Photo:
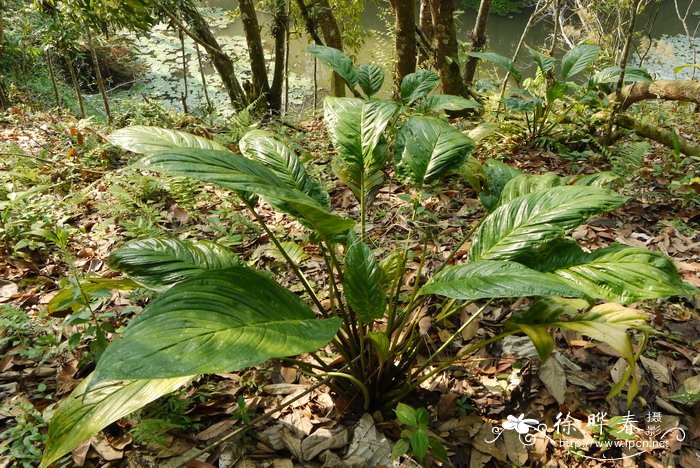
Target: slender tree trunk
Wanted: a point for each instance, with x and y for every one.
(280, 28)
(52, 75)
(333, 38)
(98, 73)
(309, 22)
(204, 78)
(446, 48)
(260, 86)
(202, 34)
(478, 37)
(4, 100)
(617, 105)
(76, 85)
(405, 21)
(425, 27)
(186, 92)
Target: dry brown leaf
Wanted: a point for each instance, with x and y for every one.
(368, 444)
(658, 372)
(553, 377)
(322, 440)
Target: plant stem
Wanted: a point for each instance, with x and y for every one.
(398, 395)
(288, 259)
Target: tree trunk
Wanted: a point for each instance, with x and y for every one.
(260, 86)
(280, 27)
(405, 21)
(669, 90)
(663, 136)
(76, 85)
(446, 48)
(4, 100)
(222, 62)
(331, 34)
(98, 74)
(52, 75)
(309, 22)
(478, 37)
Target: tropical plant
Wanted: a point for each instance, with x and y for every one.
(215, 314)
(547, 99)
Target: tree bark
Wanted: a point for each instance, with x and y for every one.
(4, 100)
(98, 73)
(201, 33)
(663, 136)
(405, 22)
(333, 38)
(280, 27)
(446, 48)
(669, 90)
(478, 38)
(260, 86)
(309, 22)
(76, 85)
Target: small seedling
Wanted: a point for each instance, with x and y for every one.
(416, 439)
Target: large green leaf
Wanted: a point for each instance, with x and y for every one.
(417, 85)
(491, 279)
(371, 78)
(527, 183)
(337, 60)
(497, 176)
(611, 75)
(606, 322)
(578, 59)
(617, 273)
(148, 140)
(158, 264)
(217, 321)
(446, 102)
(263, 147)
(235, 172)
(427, 148)
(544, 62)
(85, 412)
(363, 279)
(538, 217)
(604, 179)
(356, 128)
(500, 60)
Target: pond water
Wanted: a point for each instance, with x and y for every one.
(161, 51)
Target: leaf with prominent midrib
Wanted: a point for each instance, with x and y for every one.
(217, 321)
(539, 217)
(492, 279)
(235, 172)
(84, 413)
(356, 129)
(429, 148)
(417, 85)
(371, 78)
(148, 140)
(527, 183)
(606, 322)
(337, 60)
(616, 273)
(363, 279)
(263, 147)
(158, 264)
(578, 59)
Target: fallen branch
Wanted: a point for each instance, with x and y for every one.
(661, 135)
(669, 90)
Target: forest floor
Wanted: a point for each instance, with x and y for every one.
(58, 172)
